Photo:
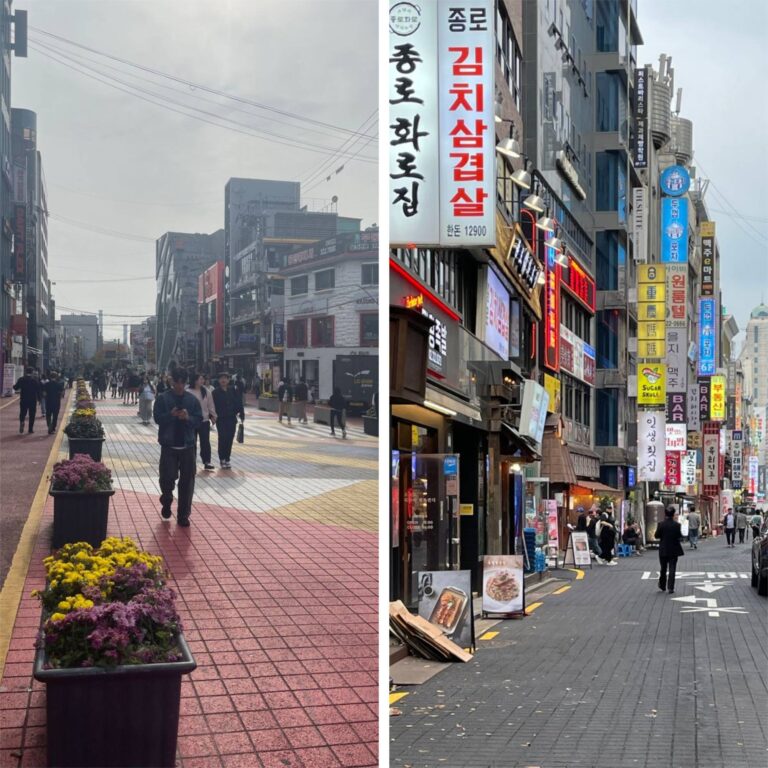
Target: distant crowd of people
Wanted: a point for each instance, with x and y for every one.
(45, 390)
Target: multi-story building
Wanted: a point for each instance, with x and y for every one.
(179, 259)
(754, 356)
(31, 234)
(82, 327)
(210, 301)
(12, 319)
(331, 302)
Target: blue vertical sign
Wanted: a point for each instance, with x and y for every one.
(707, 336)
(674, 230)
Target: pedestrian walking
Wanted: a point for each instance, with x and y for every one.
(229, 406)
(581, 521)
(670, 534)
(146, 399)
(53, 390)
(205, 398)
(741, 524)
(592, 535)
(606, 537)
(113, 385)
(177, 414)
(301, 394)
(30, 395)
(729, 524)
(284, 398)
(755, 521)
(694, 526)
(338, 405)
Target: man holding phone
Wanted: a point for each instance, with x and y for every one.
(178, 415)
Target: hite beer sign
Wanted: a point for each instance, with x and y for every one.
(442, 174)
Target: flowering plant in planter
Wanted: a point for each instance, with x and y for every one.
(107, 606)
(84, 413)
(81, 473)
(87, 427)
(85, 403)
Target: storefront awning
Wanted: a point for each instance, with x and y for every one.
(527, 446)
(591, 486)
(556, 462)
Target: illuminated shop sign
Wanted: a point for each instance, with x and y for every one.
(580, 284)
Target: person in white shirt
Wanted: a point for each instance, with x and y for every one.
(729, 523)
(205, 397)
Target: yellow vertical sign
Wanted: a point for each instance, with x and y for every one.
(651, 311)
(717, 398)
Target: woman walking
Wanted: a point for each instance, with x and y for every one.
(205, 398)
(606, 537)
(146, 401)
(229, 406)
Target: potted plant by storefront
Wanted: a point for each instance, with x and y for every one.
(81, 488)
(85, 434)
(111, 654)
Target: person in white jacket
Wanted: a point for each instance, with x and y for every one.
(205, 397)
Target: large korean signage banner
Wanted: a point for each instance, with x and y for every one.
(576, 356)
(442, 186)
(640, 223)
(676, 335)
(651, 311)
(641, 117)
(717, 398)
(688, 469)
(707, 258)
(651, 387)
(497, 316)
(674, 230)
(707, 336)
(711, 460)
(753, 473)
(651, 438)
(552, 311)
(737, 458)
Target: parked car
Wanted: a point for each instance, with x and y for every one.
(760, 561)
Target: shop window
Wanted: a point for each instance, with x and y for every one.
(607, 432)
(325, 280)
(607, 25)
(609, 102)
(299, 285)
(297, 333)
(608, 339)
(322, 332)
(369, 329)
(369, 274)
(607, 246)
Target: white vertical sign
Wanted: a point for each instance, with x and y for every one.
(711, 458)
(639, 223)
(651, 452)
(414, 181)
(466, 54)
(688, 468)
(694, 414)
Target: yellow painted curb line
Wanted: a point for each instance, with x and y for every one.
(579, 573)
(532, 607)
(488, 635)
(395, 697)
(10, 596)
(10, 402)
(561, 590)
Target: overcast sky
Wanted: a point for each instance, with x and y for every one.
(720, 60)
(116, 162)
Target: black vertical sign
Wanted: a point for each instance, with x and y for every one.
(640, 156)
(703, 392)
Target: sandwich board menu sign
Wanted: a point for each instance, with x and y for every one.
(577, 551)
(503, 585)
(445, 600)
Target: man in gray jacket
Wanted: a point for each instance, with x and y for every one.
(741, 524)
(694, 526)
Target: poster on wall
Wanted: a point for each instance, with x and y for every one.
(553, 533)
(445, 600)
(577, 550)
(503, 585)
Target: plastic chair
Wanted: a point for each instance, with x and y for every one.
(624, 550)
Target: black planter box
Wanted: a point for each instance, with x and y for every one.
(90, 445)
(371, 425)
(79, 516)
(121, 717)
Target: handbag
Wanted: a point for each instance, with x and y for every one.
(240, 433)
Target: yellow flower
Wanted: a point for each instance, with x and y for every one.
(57, 617)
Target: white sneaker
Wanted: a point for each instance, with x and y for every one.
(611, 562)
(599, 559)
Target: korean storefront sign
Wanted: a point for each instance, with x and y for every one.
(688, 468)
(672, 468)
(552, 385)
(522, 261)
(19, 242)
(753, 471)
(651, 389)
(693, 420)
(674, 230)
(676, 408)
(737, 422)
(580, 284)
(651, 437)
(676, 437)
(702, 396)
(552, 312)
(711, 460)
(442, 186)
(533, 412)
(576, 356)
(737, 454)
(674, 181)
(676, 348)
(707, 336)
(651, 303)
(640, 223)
(717, 398)
(707, 230)
(640, 154)
(497, 316)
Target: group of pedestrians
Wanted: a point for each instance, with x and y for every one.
(739, 521)
(294, 397)
(45, 390)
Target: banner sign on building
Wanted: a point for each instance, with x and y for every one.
(675, 181)
(707, 230)
(694, 418)
(672, 468)
(19, 243)
(651, 297)
(762, 479)
(576, 356)
(651, 436)
(703, 399)
(640, 223)
(676, 437)
(753, 470)
(676, 347)
(711, 460)
(737, 455)
(497, 316)
(707, 336)
(676, 408)
(552, 385)
(466, 62)
(674, 230)
(717, 398)
(533, 411)
(552, 311)
(414, 202)
(651, 389)
(640, 155)
(688, 469)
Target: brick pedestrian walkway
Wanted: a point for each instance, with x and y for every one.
(610, 673)
(277, 583)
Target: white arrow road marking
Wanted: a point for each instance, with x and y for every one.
(715, 613)
(710, 586)
(648, 575)
(710, 601)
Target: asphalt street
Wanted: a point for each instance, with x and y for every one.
(611, 673)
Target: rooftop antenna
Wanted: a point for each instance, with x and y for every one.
(679, 99)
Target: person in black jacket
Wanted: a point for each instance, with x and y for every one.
(177, 414)
(338, 405)
(670, 534)
(229, 405)
(54, 393)
(30, 393)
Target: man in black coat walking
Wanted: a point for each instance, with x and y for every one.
(30, 393)
(670, 534)
(229, 405)
(54, 392)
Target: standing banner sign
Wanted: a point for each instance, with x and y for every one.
(503, 585)
(445, 599)
(577, 550)
(651, 437)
